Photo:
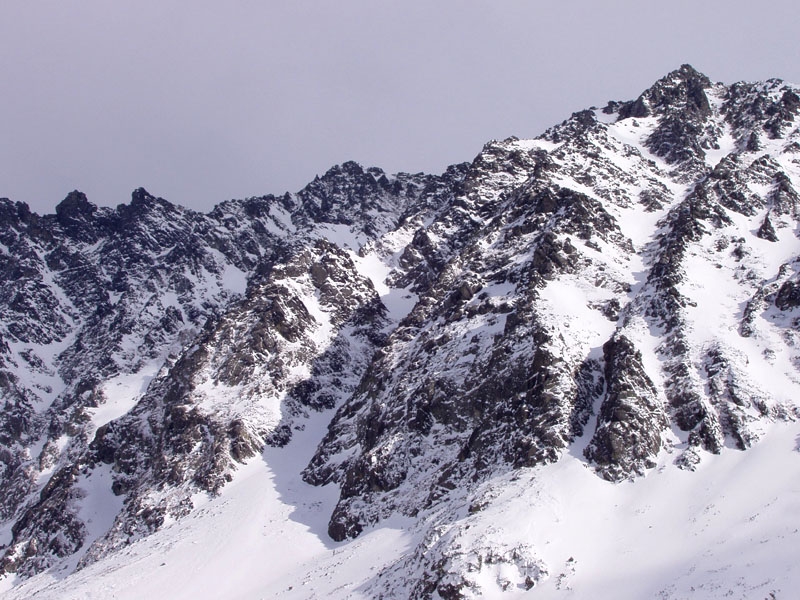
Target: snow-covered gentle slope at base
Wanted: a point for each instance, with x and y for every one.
(729, 530)
(264, 537)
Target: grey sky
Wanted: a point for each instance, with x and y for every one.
(202, 101)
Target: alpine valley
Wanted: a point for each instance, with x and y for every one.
(567, 369)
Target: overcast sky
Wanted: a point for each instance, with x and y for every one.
(202, 101)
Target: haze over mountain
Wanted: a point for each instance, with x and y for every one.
(200, 105)
(567, 368)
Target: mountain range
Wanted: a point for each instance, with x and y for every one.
(568, 368)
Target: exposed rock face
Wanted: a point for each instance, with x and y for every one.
(627, 283)
(632, 418)
(95, 295)
(684, 130)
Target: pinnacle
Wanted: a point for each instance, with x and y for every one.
(74, 206)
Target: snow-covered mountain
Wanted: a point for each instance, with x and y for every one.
(568, 368)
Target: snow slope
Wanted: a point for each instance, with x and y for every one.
(729, 530)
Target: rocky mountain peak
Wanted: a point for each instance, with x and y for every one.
(75, 205)
(76, 215)
(681, 90)
(614, 301)
(14, 213)
(342, 193)
(141, 197)
(143, 201)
